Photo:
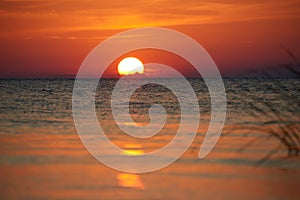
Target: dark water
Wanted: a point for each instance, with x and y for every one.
(37, 130)
(49, 102)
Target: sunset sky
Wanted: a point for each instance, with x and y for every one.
(43, 38)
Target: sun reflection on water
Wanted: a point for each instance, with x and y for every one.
(130, 181)
(132, 150)
(126, 179)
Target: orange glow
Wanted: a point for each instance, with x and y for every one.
(130, 180)
(50, 39)
(132, 150)
(130, 65)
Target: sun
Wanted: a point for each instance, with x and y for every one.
(130, 65)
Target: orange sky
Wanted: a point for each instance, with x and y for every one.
(43, 38)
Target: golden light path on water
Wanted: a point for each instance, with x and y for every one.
(129, 180)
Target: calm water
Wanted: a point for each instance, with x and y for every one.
(42, 156)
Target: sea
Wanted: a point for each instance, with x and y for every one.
(256, 156)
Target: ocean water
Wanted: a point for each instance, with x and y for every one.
(42, 157)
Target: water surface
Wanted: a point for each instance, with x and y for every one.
(42, 156)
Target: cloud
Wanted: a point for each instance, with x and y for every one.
(45, 17)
